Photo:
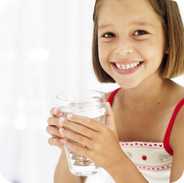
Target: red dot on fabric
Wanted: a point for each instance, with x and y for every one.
(144, 157)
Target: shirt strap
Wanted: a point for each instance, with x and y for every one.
(167, 135)
(110, 99)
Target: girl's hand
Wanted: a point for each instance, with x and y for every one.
(54, 123)
(91, 138)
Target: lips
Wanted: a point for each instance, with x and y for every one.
(127, 68)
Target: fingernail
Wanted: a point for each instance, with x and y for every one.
(69, 116)
(55, 110)
(60, 114)
(61, 120)
(108, 105)
(61, 131)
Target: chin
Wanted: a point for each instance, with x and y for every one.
(130, 85)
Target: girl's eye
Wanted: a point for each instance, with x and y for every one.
(140, 32)
(108, 35)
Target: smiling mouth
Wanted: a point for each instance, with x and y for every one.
(127, 68)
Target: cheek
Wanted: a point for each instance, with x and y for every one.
(103, 53)
(152, 51)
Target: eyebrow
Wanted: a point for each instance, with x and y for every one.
(141, 23)
(104, 26)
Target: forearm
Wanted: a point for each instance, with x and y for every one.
(126, 172)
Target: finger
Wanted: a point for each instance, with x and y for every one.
(85, 121)
(56, 142)
(80, 139)
(54, 121)
(110, 121)
(77, 149)
(76, 127)
(56, 112)
(54, 131)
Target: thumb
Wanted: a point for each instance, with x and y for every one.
(110, 121)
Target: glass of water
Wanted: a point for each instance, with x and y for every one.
(89, 103)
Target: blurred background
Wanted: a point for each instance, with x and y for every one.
(45, 47)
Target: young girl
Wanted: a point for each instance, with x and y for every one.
(139, 45)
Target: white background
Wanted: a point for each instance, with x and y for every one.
(45, 47)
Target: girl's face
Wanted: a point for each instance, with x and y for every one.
(129, 31)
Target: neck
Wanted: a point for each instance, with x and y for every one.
(149, 92)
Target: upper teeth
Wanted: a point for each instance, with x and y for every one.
(126, 66)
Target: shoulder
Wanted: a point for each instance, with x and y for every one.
(178, 127)
(177, 143)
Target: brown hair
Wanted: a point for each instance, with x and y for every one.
(172, 64)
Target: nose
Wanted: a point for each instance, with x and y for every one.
(124, 49)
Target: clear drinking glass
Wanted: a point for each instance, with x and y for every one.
(90, 103)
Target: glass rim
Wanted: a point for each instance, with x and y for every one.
(90, 95)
